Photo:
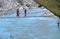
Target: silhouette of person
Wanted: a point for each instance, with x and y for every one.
(58, 22)
(17, 13)
(25, 12)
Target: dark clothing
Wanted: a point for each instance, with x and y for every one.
(25, 12)
(17, 12)
(58, 22)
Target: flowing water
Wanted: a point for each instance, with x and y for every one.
(29, 28)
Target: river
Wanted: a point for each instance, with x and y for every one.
(29, 28)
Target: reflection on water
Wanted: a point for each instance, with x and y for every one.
(29, 28)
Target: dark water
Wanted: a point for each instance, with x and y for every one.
(29, 28)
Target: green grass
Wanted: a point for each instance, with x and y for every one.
(52, 5)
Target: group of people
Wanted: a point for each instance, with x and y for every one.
(18, 12)
(24, 8)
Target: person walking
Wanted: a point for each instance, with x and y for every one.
(25, 12)
(58, 22)
(17, 13)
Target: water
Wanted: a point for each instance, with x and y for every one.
(33, 12)
(29, 28)
(12, 27)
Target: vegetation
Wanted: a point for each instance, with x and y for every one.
(52, 5)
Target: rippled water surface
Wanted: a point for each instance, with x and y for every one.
(29, 28)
